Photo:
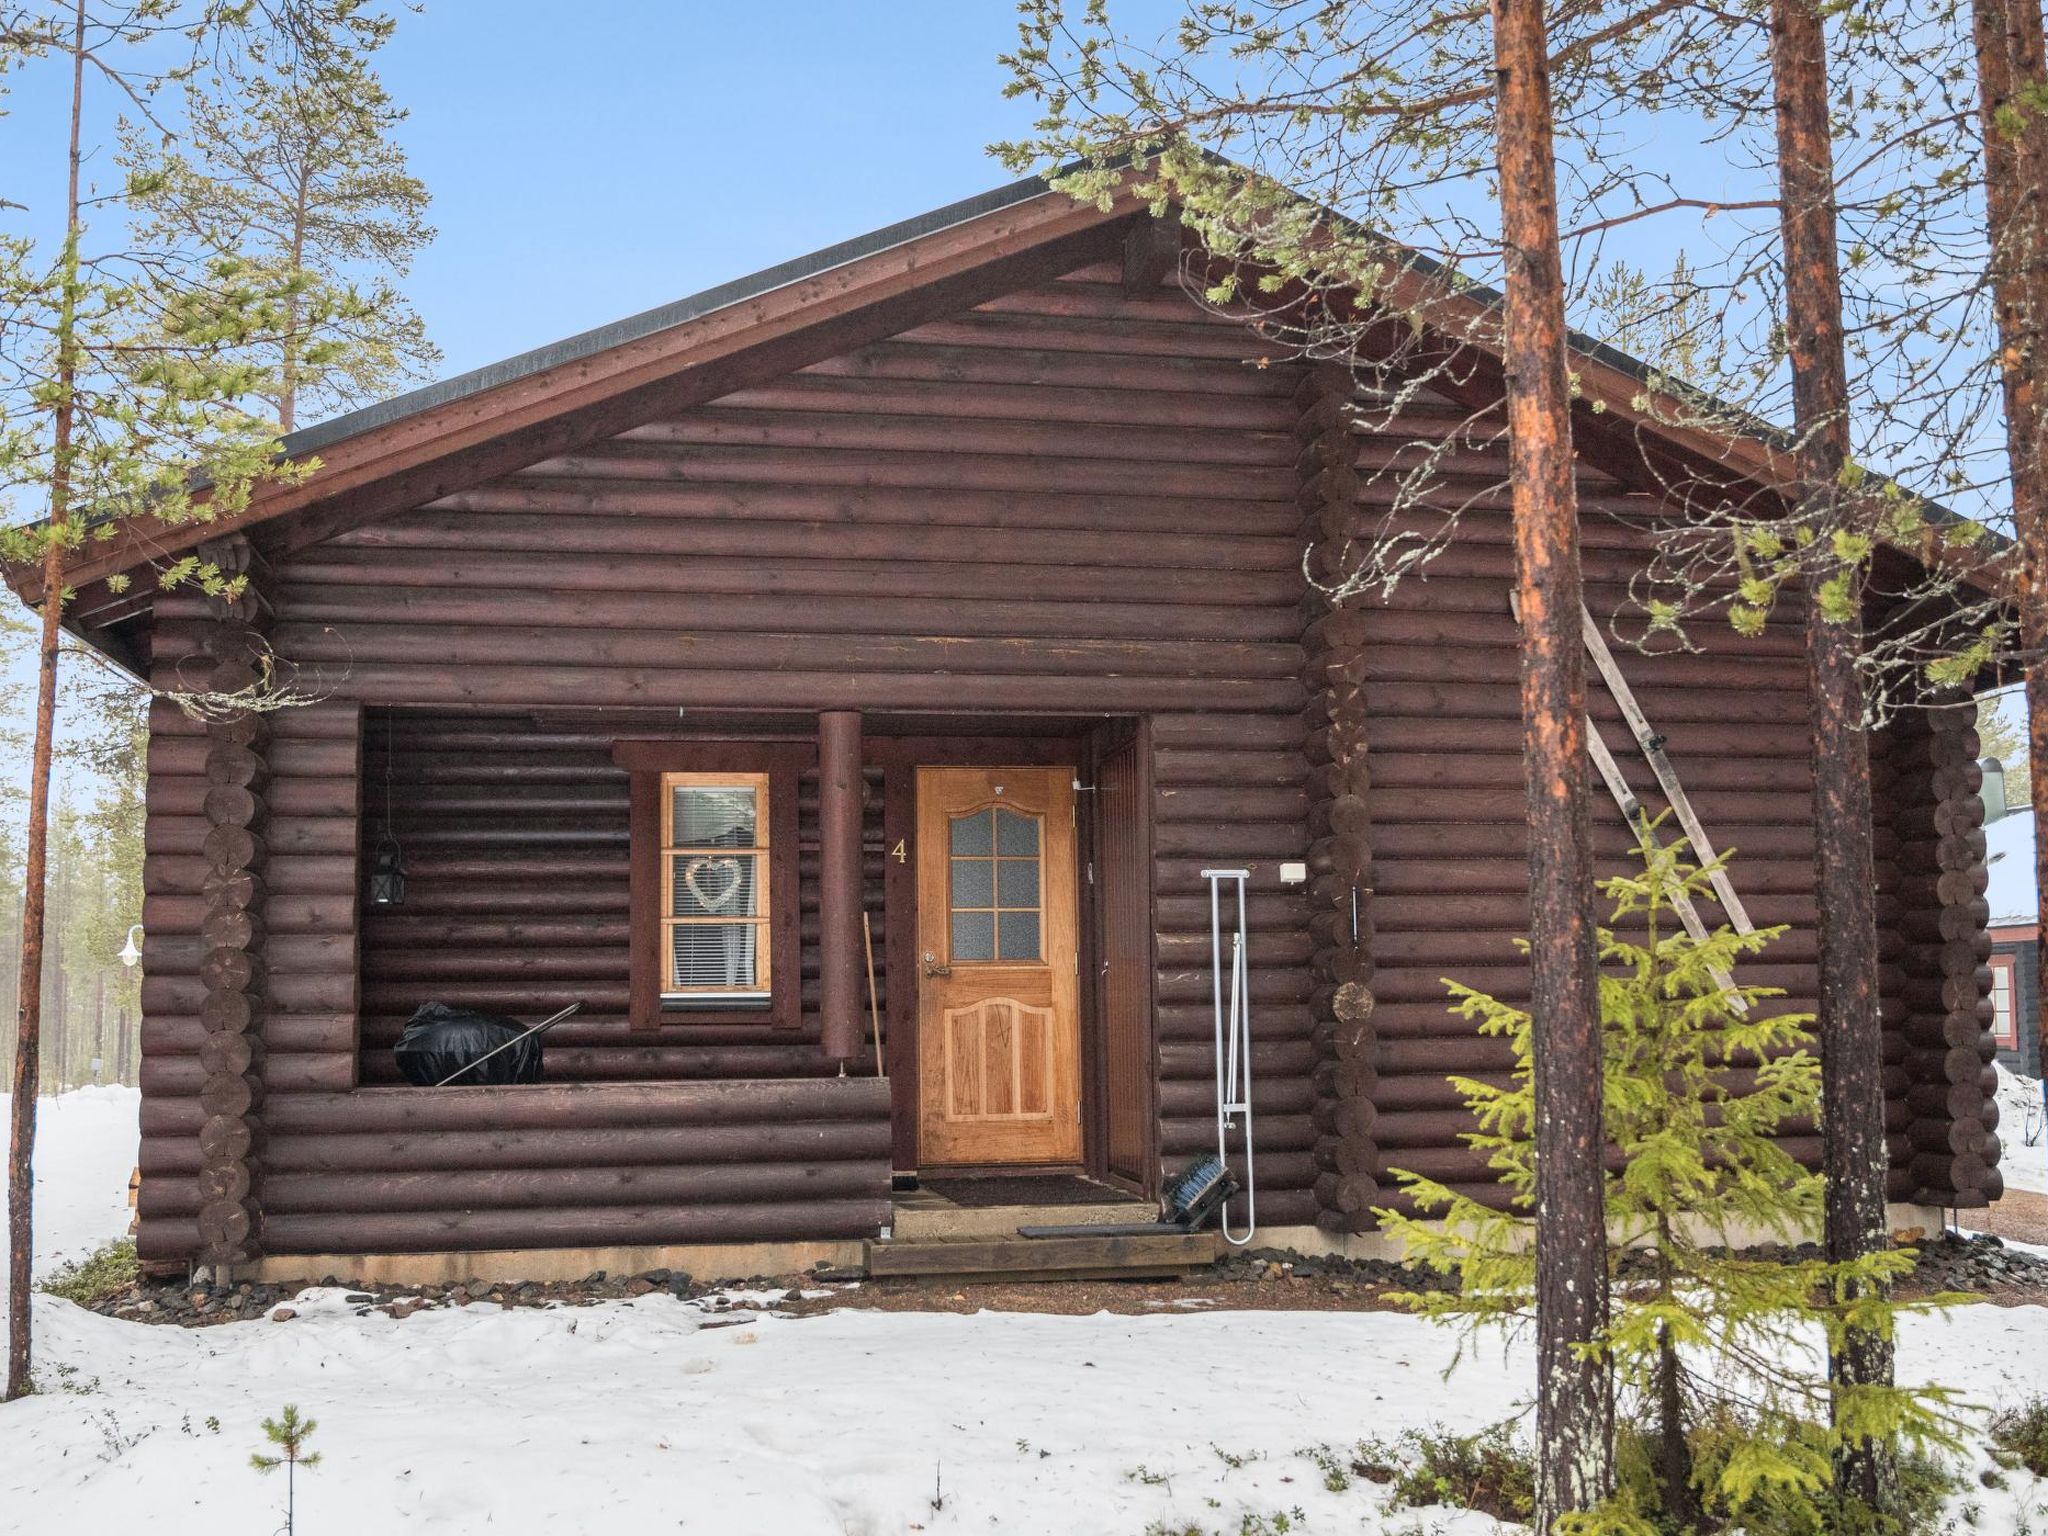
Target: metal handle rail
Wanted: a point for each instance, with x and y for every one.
(544, 1024)
(1233, 1044)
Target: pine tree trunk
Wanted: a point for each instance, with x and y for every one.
(1851, 1045)
(1674, 1470)
(1574, 1405)
(28, 1019)
(1674, 1452)
(29, 998)
(2010, 62)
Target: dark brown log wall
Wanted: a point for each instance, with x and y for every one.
(1448, 835)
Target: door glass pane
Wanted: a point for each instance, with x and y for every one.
(973, 883)
(1017, 883)
(1017, 935)
(1016, 833)
(995, 885)
(974, 936)
(974, 834)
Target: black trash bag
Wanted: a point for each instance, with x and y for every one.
(439, 1041)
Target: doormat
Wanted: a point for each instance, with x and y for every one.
(978, 1192)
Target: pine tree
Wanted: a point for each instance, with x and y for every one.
(119, 391)
(1574, 1407)
(289, 171)
(289, 1433)
(1700, 1083)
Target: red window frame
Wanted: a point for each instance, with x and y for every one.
(2006, 1030)
(646, 762)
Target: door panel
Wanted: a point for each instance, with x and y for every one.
(999, 1027)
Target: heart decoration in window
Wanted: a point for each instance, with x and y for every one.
(715, 880)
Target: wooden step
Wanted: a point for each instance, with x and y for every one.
(1047, 1258)
(918, 1217)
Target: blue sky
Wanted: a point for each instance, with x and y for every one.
(589, 170)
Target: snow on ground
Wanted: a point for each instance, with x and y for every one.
(85, 1150)
(654, 1415)
(2020, 1113)
(641, 1416)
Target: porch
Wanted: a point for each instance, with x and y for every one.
(778, 898)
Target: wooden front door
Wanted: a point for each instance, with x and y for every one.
(999, 1023)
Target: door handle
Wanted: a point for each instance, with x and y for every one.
(932, 966)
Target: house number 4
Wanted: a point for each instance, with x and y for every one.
(897, 853)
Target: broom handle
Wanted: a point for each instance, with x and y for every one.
(867, 931)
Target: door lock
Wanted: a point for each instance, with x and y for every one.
(932, 966)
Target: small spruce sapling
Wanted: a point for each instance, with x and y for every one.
(1698, 1091)
(289, 1433)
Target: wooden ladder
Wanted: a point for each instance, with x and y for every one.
(1651, 745)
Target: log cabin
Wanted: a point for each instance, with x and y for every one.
(840, 683)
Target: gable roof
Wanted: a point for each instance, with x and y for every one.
(447, 436)
(649, 322)
(499, 417)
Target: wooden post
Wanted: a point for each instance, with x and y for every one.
(1855, 1156)
(1574, 1401)
(839, 892)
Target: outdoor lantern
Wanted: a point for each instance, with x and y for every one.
(387, 875)
(1994, 789)
(131, 956)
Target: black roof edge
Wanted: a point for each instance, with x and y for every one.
(736, 290)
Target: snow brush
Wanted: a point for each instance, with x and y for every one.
(1197, 1192)
(1192, 1198)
